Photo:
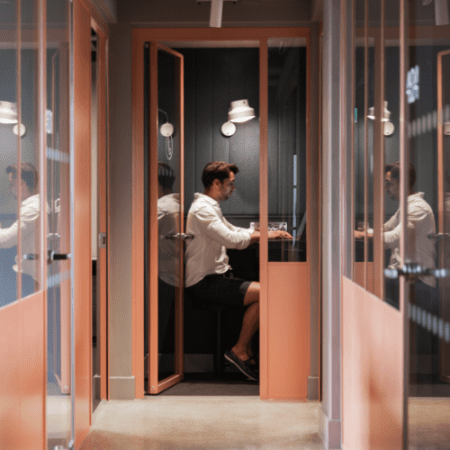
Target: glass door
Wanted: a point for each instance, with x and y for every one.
(427, 183)
(165, 218)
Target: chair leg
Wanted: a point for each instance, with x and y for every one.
(218, 357)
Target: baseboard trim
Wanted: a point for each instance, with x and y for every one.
(122, 388)
(313, 388)
(330, 431)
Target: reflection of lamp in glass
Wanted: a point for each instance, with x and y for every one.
(388, 126)
(240, 111)
(8, 112)
(167, 130)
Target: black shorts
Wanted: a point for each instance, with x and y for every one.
(220, 289)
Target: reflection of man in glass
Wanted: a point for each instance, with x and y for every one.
(419, 248)
(208, 274)
(29, 217)
(168, 251)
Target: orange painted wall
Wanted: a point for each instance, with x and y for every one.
(288, 333)
(22, 374)
(372, 371)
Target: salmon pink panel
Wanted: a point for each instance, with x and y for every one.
(288, 354)
(372, 371)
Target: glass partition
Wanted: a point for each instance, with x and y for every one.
(58, 232)
(427, 180)
(364, 143)
(9, 202)
(169, 209)
(287, 151)
(390, 136)
(360, 143)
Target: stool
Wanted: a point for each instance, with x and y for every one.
(219, 351)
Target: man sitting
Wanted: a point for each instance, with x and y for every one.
(208, 274)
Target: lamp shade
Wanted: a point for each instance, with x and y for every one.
(386, 113)
(240, 111)
(8, 112)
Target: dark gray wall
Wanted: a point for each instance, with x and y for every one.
(214, 78)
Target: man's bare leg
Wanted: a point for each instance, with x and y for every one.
(250, 323)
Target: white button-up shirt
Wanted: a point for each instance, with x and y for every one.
(206, 254)
(169, 249)
(29, 218)
(419, 248)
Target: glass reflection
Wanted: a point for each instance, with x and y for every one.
(169, 210)
(23, 182)
(287, 149)
(168, 265)
(428, 106)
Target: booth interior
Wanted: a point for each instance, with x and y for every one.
(216, 74)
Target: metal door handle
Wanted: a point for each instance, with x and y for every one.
(30, 257)
(52, 256)
(182, 236)
(438, 236)
(411, 271)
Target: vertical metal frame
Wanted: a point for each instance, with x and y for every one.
(264, 212)
(19, 144)
(366, 141)
(404, 190)
(103, 209)
(379, 158)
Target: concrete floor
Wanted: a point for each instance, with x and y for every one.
(189, 416)
(204, 423)
(429, 423)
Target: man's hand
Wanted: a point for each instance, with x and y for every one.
(279, 234)
(361, 234)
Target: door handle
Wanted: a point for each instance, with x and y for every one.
(438, 236)
(51, 256)
(182, 236)
(411, 271)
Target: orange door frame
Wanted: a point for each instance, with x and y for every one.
(273, 316)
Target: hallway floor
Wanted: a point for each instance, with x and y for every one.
(204, 422)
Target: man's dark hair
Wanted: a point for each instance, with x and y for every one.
(394, 168)
(29, 174)
(217, 170)
(166, 177)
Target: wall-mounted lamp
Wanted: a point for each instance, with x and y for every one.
(240, 111)
(8, 112)
(388, 126)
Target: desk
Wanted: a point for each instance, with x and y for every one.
(245, 263)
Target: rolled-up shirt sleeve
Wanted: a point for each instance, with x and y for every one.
(8, 236)
(28, 218)
(223, 233)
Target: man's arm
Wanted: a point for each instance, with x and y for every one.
(278, 234)
(9, 236)
(211, 225)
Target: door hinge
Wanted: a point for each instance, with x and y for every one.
(102, 240)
